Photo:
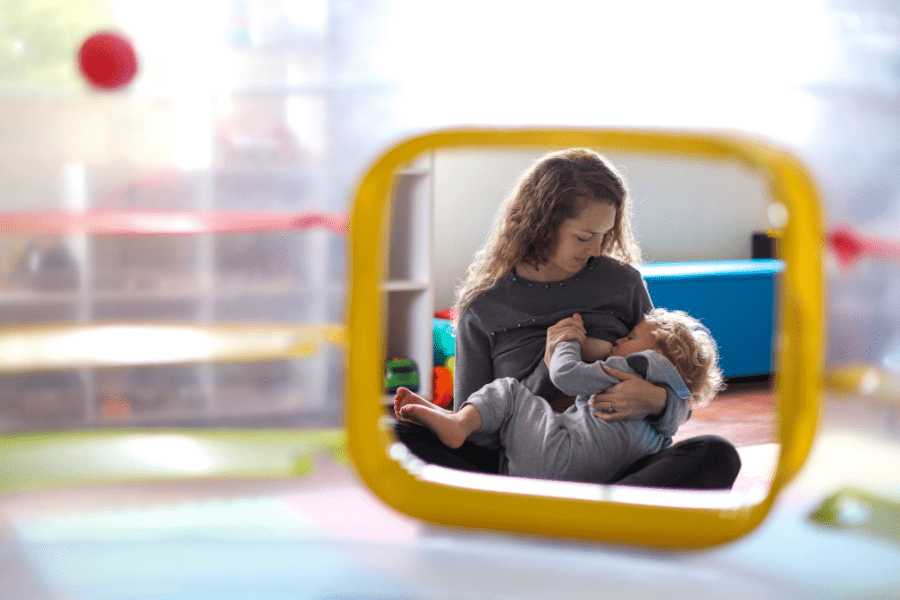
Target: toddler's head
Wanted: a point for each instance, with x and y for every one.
(688, 345)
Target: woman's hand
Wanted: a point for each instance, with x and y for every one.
(631, 398)
(570, 328)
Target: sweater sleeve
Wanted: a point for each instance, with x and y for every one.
(676, 414)
(578, 378)
(474, 367)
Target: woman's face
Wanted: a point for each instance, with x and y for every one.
(579, 239)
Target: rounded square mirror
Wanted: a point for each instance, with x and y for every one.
(728, 231)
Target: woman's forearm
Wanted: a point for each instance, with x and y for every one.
(656, 397)
(633, 398)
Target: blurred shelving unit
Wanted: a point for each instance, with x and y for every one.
(408, 288)
(266, 130)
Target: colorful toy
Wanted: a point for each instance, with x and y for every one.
(442, 386)
(444, 341)
(448, 314)
(400, 372)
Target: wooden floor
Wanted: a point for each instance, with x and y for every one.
(744, 414)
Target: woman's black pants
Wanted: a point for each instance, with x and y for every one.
(706, 462)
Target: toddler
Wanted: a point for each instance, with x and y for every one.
(667, 348)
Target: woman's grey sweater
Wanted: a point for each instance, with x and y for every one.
(503, 331)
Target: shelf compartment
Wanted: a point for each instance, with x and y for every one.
(129, 395)
(131, 264)
(257, 388)
(41, 400)
(410, 239)
(409, 333)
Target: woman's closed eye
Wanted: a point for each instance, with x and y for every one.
(604, 235)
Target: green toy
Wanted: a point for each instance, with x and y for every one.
(400, 372)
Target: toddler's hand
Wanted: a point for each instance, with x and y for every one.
(570, 328)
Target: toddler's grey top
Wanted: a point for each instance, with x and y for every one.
(503, 331)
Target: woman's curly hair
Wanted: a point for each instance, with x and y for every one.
(556, 188)
(688, 345)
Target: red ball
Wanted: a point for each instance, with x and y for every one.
(108, 60)
(442, 387)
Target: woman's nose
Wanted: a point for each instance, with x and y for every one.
(595, 247)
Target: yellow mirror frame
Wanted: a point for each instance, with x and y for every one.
(801, 342)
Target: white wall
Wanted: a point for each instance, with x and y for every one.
(683, 209)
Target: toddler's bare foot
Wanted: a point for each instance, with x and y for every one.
(438, 420)
(404, 397)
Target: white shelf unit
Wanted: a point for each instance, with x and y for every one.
(254, 277)
(408, 290)
(274, 149)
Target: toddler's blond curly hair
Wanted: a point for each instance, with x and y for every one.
(690, 347)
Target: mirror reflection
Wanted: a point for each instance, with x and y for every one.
(521, 340)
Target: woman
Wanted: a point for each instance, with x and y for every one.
(563, 244)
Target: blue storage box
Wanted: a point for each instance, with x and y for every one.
(736, 299)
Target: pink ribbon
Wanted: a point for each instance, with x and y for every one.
(107, 222)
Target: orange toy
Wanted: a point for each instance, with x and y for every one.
(442, 386)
